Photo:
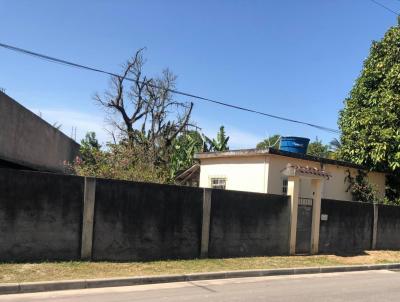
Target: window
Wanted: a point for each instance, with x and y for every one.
(218, 183)
(284, 186)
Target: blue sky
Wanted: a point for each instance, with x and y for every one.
(297, 59)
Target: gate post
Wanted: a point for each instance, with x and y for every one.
(293, 189)
(316, 185)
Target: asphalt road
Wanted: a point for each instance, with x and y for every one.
(358, 286)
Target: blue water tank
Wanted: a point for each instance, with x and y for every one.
(294, 144)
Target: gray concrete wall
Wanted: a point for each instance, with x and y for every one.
(143, 221)
(28, 140)
(388, 230)
(348, 228)
(40, 216)
(248, 224)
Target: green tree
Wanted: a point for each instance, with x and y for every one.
(122, 160)
(117, 161)
(335, 145)
(89, 146)
(151, 137)
(218, 144)
(270, 142)
(370, 120)
(317, 148)
(334, 149)
(143, 109)
(184, 148)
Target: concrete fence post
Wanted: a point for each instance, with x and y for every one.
(375, 227)
(205, 226)
(88, 218)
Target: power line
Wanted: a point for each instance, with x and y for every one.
(385, 7)
(76, 65)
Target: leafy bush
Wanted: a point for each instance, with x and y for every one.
(360, 188)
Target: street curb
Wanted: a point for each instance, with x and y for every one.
(31, 287)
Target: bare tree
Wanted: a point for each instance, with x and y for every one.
(143, 109)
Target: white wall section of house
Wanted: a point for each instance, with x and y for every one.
(275, 179)
(379, 179)
(263, 174)
(241, 173)
(334, 188)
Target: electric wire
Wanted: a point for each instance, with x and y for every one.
(174, 91)
(385, 7)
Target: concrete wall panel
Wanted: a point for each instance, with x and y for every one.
(388, 230)
(40, 216)
(348, 228)
(143, 221)
(248, 224)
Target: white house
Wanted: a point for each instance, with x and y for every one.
(263, 171)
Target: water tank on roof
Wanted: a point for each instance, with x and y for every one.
(294, 144)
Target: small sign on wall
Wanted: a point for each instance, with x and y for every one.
(324, 217)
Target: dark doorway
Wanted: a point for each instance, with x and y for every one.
(304, 222)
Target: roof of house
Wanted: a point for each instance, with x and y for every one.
(192, 172)
(256, 152)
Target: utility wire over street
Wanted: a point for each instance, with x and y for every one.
(193, 96)
(385, 7)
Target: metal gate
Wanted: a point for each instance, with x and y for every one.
(304, 222)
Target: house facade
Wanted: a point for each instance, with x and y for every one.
(262, 171)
